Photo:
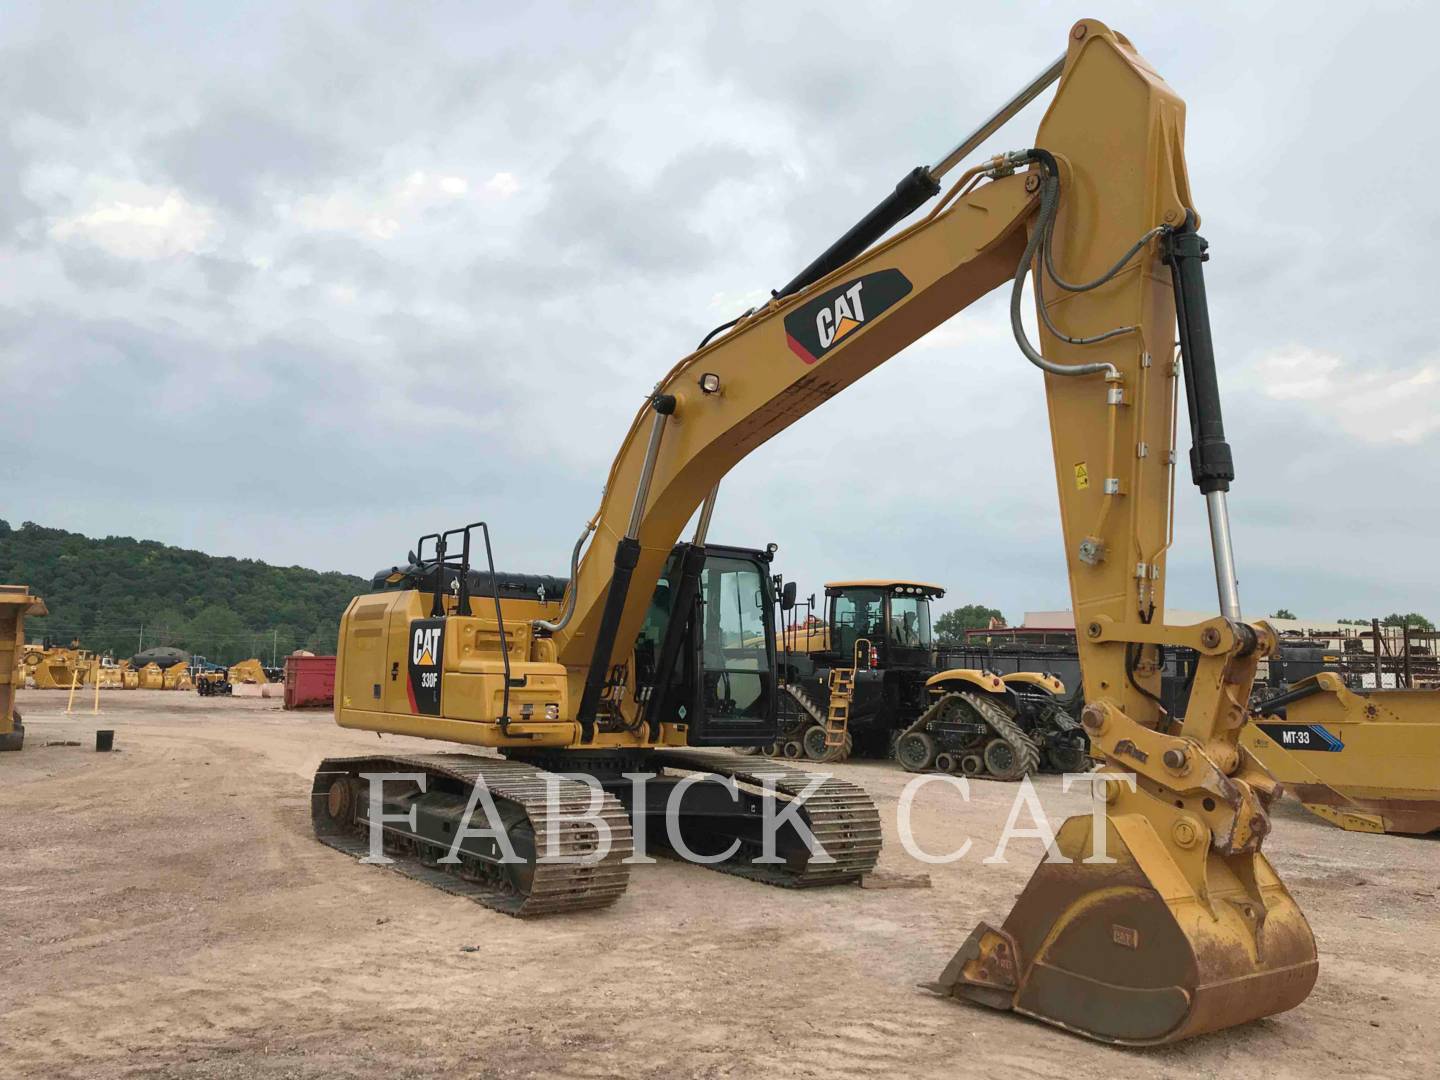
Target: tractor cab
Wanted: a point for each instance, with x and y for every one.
(894, 616)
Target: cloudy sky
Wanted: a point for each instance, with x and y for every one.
(301, 282)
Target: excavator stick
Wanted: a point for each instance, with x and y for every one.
(1367, 761)
(1178, 925)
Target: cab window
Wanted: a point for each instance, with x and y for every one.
(736, 647)
(858, 613)
(910, 622)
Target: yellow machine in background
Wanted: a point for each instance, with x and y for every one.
(1187, 928)
(810, 636)
(177, 677)
(249, 671)
(151, 677)
(1365, 760)
(15, 604)
(57, 668)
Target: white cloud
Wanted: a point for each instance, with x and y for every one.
(383, 208)
(1384, 405)
(344, 213)
(167, 225)
(499, 234)
(502, 184)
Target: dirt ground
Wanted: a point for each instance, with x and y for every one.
(165, 912)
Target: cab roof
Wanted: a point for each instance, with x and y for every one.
(888, 583)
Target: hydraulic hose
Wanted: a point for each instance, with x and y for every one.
(568, 611)
(1040, 242)
(1158, 230)
(1049, 201)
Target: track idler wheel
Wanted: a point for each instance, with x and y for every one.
(792, 750)
(1132, 951)
(971, 765)
(1001, 760)
(915, 750)
(945, 762)
(816, 750)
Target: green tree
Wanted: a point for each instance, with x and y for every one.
(325, 637)
(1282, 613)
(1414, 620)
(220, 634)
(166, 626)
(103, 590)
(950, 628)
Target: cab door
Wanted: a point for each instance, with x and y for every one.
(732, 664)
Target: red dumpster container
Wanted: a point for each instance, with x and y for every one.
(309, 682)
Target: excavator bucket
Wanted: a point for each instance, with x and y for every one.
(1367, 761)
(1129, 951)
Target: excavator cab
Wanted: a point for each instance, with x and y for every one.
(722, 683)
(720, 655)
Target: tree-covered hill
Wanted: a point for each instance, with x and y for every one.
(110, 592)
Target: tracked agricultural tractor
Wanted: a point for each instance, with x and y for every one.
(852, 679)
(864, 679)
(997, 727)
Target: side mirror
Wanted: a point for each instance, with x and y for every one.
(410, 558)
(787, 596)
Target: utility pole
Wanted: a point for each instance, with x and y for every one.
(274, 641)
(141, 647)
(1379, 673)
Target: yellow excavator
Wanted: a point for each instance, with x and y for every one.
(640, 658)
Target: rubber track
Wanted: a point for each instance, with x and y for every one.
(807, 706)
(841, 815)
(557, 886)
(805, 702)
(999, 719)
